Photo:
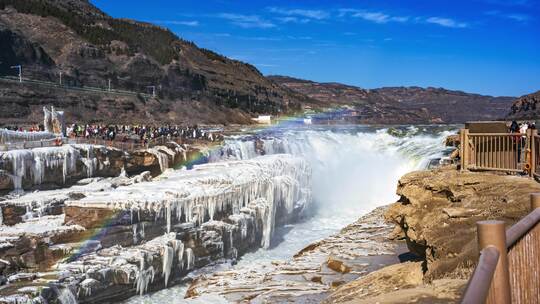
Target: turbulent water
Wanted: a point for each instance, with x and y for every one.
(355, 169)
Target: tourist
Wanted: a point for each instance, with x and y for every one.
(514, 127)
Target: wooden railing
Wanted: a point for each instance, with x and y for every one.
(510, 152)
(508, 269)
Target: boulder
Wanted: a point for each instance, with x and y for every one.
(438, 211)
(337, 265)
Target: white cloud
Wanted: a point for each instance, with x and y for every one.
(518, 17)
(305, 13)
(293, 20)
(177, 22)
(446, 22)
(247, 21)
(376, 17)
(522, 18)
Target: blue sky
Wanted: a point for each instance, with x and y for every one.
(482, 46)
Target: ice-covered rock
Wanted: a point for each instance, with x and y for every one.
(163, 229)
(8, 136)
(270, 187)
(29, 168)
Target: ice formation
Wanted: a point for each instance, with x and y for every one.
(35, 163)
(8, 136)
(196, 196)
(54, 121)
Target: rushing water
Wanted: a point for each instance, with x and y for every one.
(355, 169)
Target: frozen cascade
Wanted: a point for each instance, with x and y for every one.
(144, 276)
(90, 161)
(66, 296)
(200, 195)
(349, 162)
(36, 161)
(162, 154)
(8, 136)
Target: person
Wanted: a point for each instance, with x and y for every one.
(523, 128)
(514, 127)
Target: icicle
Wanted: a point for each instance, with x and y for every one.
(190, 259)
(135, 240)
(142, 231)
(144, 276)
(168, 257)
(168, 211)
(180, 253)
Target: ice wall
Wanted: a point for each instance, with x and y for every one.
(34, 163)
(265, 186)
(8, 136)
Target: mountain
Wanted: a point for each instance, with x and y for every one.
(91, 49)
(526, 107)
(402, 104)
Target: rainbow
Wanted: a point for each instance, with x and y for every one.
(89, 240)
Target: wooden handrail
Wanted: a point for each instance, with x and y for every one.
(522, 227)
(514, 278)
(496, 134)
(477, 289)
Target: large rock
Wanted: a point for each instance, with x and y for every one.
(379, 282)
(438, 211)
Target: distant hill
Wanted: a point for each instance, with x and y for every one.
(526, 107)
(403, 104)
(90, 48)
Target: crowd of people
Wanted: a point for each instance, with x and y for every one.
(142, 133)
(522, 128)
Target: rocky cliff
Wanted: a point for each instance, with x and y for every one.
(89, 49)
(526, 107)
(438, 211)
(403, 104)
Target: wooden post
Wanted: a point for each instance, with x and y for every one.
(535, 201)
(493, 233)
(464, 148)
(532, 145)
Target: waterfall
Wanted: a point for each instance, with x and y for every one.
(348, 163)
(354, 170)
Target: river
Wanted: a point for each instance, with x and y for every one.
(355, 169)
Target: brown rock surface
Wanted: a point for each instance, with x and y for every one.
(438, 211)
(526, 107)
(387, 279)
